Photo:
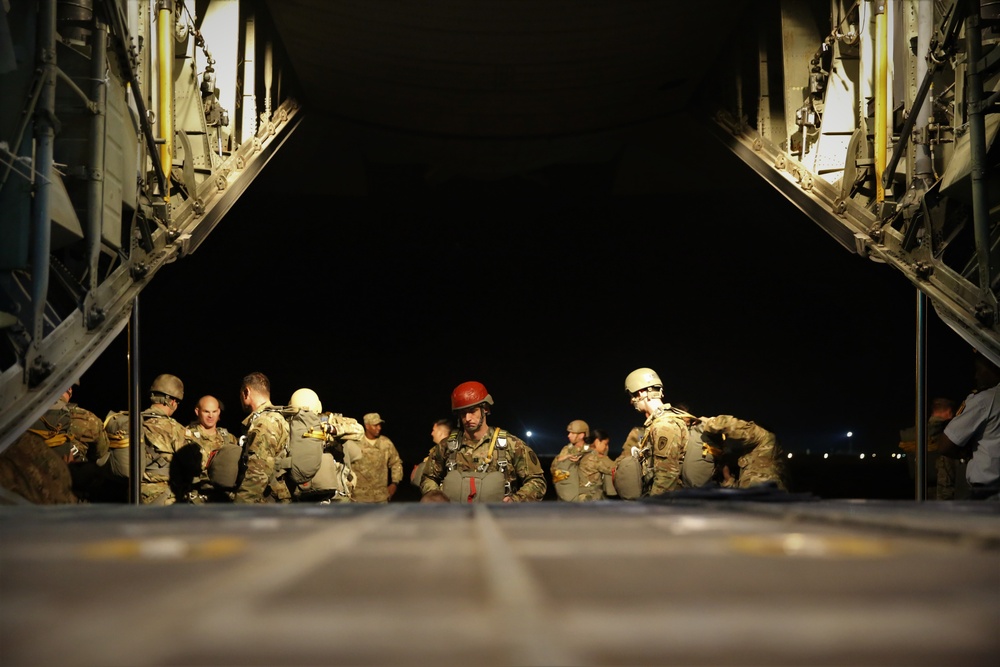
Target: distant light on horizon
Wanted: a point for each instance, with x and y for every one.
(789, 455)
(826, 455)
(862, 455)
(850, 433)
(528, 433)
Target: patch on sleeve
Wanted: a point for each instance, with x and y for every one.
(661, 443)
(534, 457)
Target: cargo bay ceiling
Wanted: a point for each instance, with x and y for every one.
(129, 129)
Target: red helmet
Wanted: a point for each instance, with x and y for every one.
(469, 395)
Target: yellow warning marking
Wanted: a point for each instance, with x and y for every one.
(164, 548)
(811, 546)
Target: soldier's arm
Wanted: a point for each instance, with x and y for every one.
(395, 464)
(529, 471)
(261, 447)
(433, 469)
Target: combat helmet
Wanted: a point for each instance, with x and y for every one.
(469, 395)
(168, 385)
(306, 398)
(578, 426)
(644, 378)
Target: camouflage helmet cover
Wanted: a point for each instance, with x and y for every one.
(578, 426)
(169, 385)
(469, 395)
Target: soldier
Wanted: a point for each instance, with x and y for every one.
(379, 462)
(595, 466)
(205, 429)
(90, 479)
(334, 479)
(974, 433)
(265, 440)
(564, 466)
(660, 453)
(78, 437)
(760, 455)
(162, 435)
(480, 463)
(32, 471)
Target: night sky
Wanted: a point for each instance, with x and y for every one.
(549, 291)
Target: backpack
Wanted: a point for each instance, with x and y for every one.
(566, 477)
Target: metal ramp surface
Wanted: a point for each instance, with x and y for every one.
(609, 583)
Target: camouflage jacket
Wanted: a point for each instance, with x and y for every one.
(379, 464)
(209, 442)
(523, 470)
(88, 430)
(265, 441)
(666, 439)
(760, 460)
(593, 467)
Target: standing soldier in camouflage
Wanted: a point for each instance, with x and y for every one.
(595, 466)
(661, 450)
(162, 437)
(379, 463)
(567, 460)
(78, 438)
(87, 431)
(480, 463)
(265, 441)
(760, 459)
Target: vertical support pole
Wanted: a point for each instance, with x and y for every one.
(920, 477)
(41, 219)
(98, 129)
(136, 448)
(881, 93)
(977, 148)
(165, 53)
(923, 169)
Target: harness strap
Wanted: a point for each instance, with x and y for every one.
(472, 490)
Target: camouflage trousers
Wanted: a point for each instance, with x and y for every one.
(761, 465)
(157, 493)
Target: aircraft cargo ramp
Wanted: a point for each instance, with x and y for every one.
(678, 582)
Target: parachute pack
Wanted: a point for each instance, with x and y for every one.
(482, 485)
(566, 477)
(315, 443)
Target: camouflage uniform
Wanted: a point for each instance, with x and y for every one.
(265, 442)
(524, 472)
(379, 461)
(593, 467)
(55, 428)
(34, 471)
(761, 464)
(666, 437)
(87, 429)
(162, 436)
(210, 442)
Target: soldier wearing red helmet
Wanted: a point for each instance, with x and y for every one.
(481, 463)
